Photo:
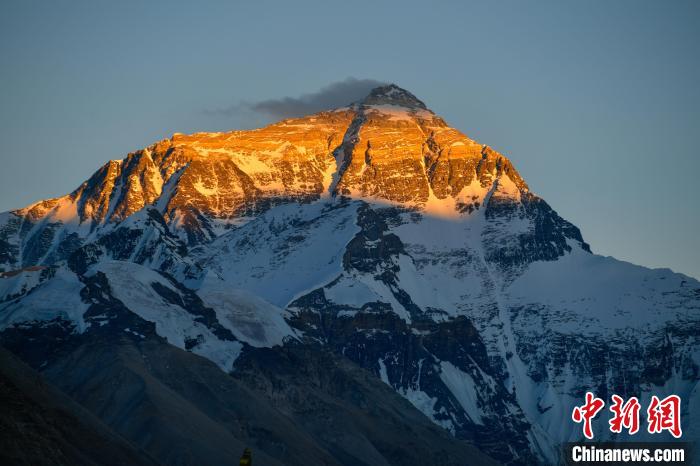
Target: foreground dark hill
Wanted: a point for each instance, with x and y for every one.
(371, 238)
(41, 425)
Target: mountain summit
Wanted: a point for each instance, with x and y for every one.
(331, 289)
(391, 94)
(389, 148)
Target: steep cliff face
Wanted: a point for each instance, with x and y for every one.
(377, 233)
(200, 184)
(389, 147)
(398, 150)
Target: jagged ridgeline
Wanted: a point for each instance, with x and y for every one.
(365, 285)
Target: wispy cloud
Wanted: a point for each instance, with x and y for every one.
(331, 96)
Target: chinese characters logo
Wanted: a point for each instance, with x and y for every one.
(662, 415)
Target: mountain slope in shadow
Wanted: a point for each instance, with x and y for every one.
(40, 425)
(290, 405)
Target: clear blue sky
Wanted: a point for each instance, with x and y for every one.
(597, 103)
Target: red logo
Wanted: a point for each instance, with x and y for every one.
(587, 412)
(665, 415)
(624, 415)
(662, 415)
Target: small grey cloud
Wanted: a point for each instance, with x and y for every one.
(334, 95)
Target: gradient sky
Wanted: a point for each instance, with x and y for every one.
(597, 103)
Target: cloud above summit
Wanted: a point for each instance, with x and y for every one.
(333, 95)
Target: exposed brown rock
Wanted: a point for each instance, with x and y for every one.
(389, 147)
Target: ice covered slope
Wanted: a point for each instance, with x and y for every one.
(489, 325)
(375, 231)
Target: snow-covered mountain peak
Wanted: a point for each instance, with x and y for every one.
(375, 231)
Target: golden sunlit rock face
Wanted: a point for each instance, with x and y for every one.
(388, 147)
(217, 175)
(407, 155)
